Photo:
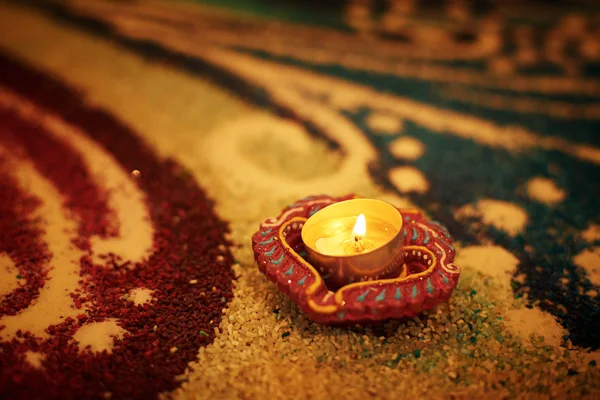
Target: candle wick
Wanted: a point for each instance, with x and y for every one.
(358, 246)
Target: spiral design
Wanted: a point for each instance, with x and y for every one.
(91, 217)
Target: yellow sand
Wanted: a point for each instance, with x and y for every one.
(8, 275)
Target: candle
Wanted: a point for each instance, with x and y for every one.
(355, 240)
(342, 243)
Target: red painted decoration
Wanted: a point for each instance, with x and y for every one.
(431, 276)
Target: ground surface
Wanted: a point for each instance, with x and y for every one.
(141, 144)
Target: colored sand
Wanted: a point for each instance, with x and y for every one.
(162, 314)
(188, 243)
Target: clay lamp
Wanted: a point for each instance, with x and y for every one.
(352, 260)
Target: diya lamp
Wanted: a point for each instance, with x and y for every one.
(354, 260)
(355, 241)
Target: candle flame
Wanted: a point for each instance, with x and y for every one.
(360, 227)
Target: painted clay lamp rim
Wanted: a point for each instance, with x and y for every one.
(277, 247)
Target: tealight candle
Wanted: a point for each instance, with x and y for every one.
(355, 240)
(341, 243)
